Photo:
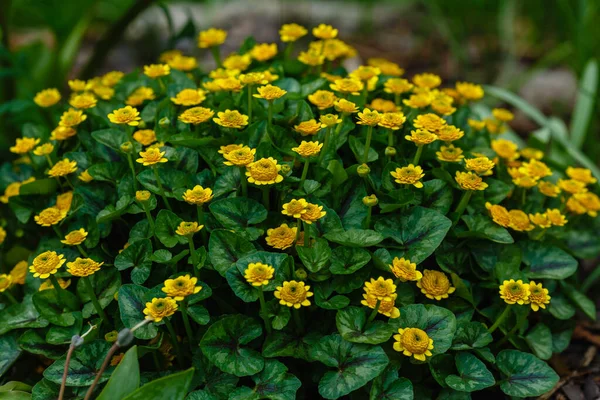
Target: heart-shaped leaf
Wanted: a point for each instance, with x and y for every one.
(525, 375)
(352, 325)
(472, 374)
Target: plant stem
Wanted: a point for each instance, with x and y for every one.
(338, 128)
(58, 289)
(263, 310)
(368, 144)
(186, 323)
(160, 188)
(82, 251)
(325, 144)
(298, 229)
(95, 302)
(390, 137)
(373, 314)
(63, 384)
(500, 319)
(368, 218)
(462, 205)
(306, 234)
(418, 155)
(397, 99)
(249, 104)
(265, 197)
(270, 113)
(298, 320)
(107, 359)
(304, 173)
(288, 50)
(148, 216)
(365, 93)
(244, 182)
(201, 221)
(58, 232)
(132, 167)
(69, 182)
(216, 53)
(194, 256)
(175, 342)
(10, 297)
(49, 160)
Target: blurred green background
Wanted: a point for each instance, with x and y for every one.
(542, 50)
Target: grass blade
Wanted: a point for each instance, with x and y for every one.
(584, 107)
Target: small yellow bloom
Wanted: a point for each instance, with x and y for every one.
(241, 156)
(5, 282)
(196, 115)
(469, 91)
(47, 284)
(366, 73)
(83, 267)
(581, 174)
(324, 31)
(85, 177)
(47, 97)
(19, 273)
(62, 133)
(231, 119)
(368, 117)
(292, 32)
(410, 175)
(183, 63)
(151, 156)
(313, 213)
(419, 100)
(480, 165)
(311, 58)
(237, 62)
(421, 137)
(24, 145)
(145, 137)
(50, 216)
(392, 120)
(142, 195)
(181, 287)
(345, 106)
(264, 172)
(264, 51)
(541, 220)
(281, 237)
(538, 296)
(211, 37)
(450, 154)
(548, 189)
(140, 95)
(188, 228)
(253, 78)
(383, 105)
(413, 342)
(308, 149)
(229, 148)
(104, 92)
(75, 238)
(64, 200)
(535, 169)
(189, 97)
(229, 84)
(427, 80)
(198, 195)
(449, 133)
(435, 285)
(46, 264)
(83, 101)
(572, 186)
(156, 70)
(293, 294)
(72, 117)
(505, 149)
(387, 67)
(589, 201)
(157, 309)
(308, 128)
(347, 86)
(405, 270)
(381, 289)
(555, 217)
(44, 149)
(295, 208)
(329, 120)
(77, 85)
(386, 307)
(126, 115)
(515, 292)
(323, 99)
(470, 181)
(397, 86)
(502, 114)
(499, 214)
(63, 168)
(429, 122)
(259, 274)
(519, 221)
(269, 92)
(111, 78)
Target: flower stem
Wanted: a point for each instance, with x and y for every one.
(216, 52)
(49, 160)
(298, 320)
(325, 144)
(265, 197)
(462, 205)
(82, 251)
(69, 182)
(186, 323)
(95, 302)
(59, 295)
(397, 99)
(244, 182)
(500, 319)
(10, 297)
(175, 342)
(58, 232)
(132, 167)
(368, 144)
(288, 50)
(250, 104)
(298, 229)
(148, 216)
(201, 221)
(367, 222)
(270, 113)
(338, 128)
(263, 310)
(373, 314)
(418, 155)
(160, 188)
(365, 93)
(304, 173)
(390, 137)
(306, 235)
(194, 256)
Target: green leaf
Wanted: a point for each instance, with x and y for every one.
(137, 255)
(33, 342)
(111, 212)
(112, 138)
(125, 379)
(106, 283)
(315, 257)
(442, 366)
(481, 226)
(23, 315)
(358, 148)
(238, 212)
(10, 352)
(347, 260)
(419, 232)
(472, 374)
(223, 344)
(273, 382)
(350, 322)
(584, 106)
(439, 324)
(471, 335)
(322, 292)
(57, 309)
(172, 387)
(560, 307)
(132, 301)
(546, 261)
(580, 300)
(39, 187)
(354, 365)
(389, 386)
(355, 237)
(289, 344)
(437, 195)
(539, 339)
(225, 248)
(525, 375)
(84, 365)
(279, 261)
(170, 178)
(165, 227)
(199, 314)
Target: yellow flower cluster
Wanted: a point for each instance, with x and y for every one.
(518, 292)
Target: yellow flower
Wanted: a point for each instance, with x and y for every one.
(189, 97)
(291, 32)
(47, 97)
(397, 86)
(435, 285)
(229, 84)
(64, 200)
(183, 63)
(386, 307)
(499, 214)
(269, 92)
(535, 169)
(85, 177)
(581, 174)
(75, 238)
(140, 95)
(572, 186)
(404, 270)
(19, 273)
(142, 195)
(83, 101)
(383, 105)
(548, 189)
(156, 70)
(231, 119)
(293, 294)
(311, 58)
(259, 274)
(229, 148)
(168, 55)
(2, 235)
(392, 120)
(24, 145)
(532, 154)
(521, 178)
(429, 122)
(470, 181)
(62, 133)
(413, 342)
(555, 217)
(157, 309)
(237, 62)
(44, 149)
(264, 51)
(46, 264)
(112, 78)
(295, 208)
(62, 168)
(427, 80)
(323, 99)
(306, 128)
(512, 292)
(47, 284)
(519, 221)
(502, 114)
(387, 67)
(145, 137)
(541, 220)
(72, 118)
(11, 190)
(313, 212)
(347, 86)
(241, 157)
(253, 78)
(198, 195)
(264, 172)
(188, 228)
(83, 267)
(421, 137)
(104, 92)
(480, 165)
(77, 85)
(50, 216)
(126, 115)
(196, 115)
(381, 289)
(449, 133)
(538, 296)
(5, 282)
(345, 106)
(211, 37)
(325, 32)
(505, 149)
(450, 154)
(410, 175)
(368, 117)
(469, 91)
(308, 149)
(151, 156)
(366, 73)
(181, 287)
(329, 120)
(281, 237)
(589, 201)
(476, 125)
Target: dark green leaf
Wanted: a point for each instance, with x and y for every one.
(482, 226)
(125, 379)
(347, 260)
(388, 386)
(85, 363)
(546, 261)
(315, 257)
(132, 301)
(472, 374)
(539, 339)
(166, 225)
(172, 387)
(525, 375)
(225, 248)
(355, 237)
(351, 323)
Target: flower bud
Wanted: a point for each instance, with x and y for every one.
(300, 274)
(285, 169)
(125, 337)
(76, 341)
(126, 147)
(111, 336)
(390, 151)
(142, 195)
(142, 125)
(370, 201)
(363, 170)
(164, 121)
